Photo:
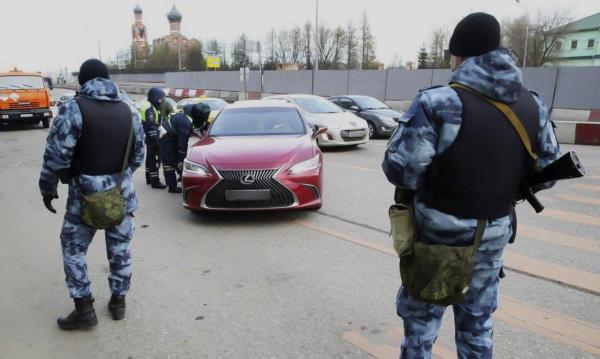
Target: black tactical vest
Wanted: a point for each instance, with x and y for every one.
(479, 175)
(101, 146)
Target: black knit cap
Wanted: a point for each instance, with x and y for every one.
(91, 69)
(478, 33)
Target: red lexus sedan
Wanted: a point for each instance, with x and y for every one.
(256, 155)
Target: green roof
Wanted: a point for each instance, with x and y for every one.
(591, 22)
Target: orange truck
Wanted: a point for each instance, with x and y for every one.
(24, 98)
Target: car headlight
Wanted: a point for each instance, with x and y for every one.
(195, 168)
(308, 165)
(387, 120)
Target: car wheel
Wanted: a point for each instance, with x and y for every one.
(372, 131)
(46, 123)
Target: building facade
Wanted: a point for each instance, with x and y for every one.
(580, 45)
(139, 36)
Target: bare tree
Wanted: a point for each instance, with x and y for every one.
(307, 35)
(284, 47)
(326, 47)
(297, 45)
(351, 47)
(545, 31)
(339, 43)
(271, 51)
(437, 47)
(368, 59)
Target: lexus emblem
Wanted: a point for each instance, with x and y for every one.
(247, 179)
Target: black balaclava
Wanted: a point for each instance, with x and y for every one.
(199, 113)
(475, 35)
(156, 96)
(91, 69)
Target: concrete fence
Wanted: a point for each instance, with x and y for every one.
(564, 87)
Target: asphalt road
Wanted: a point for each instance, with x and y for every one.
(314, 284)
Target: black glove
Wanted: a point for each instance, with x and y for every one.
(47, 198)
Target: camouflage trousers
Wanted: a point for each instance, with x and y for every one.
(472, 316)
(75, 240)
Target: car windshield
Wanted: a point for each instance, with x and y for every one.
(21, 82)
(317, 105)
(369, 103)
(258, 121)
(215, 104)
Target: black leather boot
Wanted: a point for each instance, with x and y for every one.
(83, 317)
(116, 306)
(158, 184)
(175, 190)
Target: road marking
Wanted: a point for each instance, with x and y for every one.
(586, 281)
(589, 187)
(580, 199)
(593, 177)
(354, 167)
(550, 324)
(571, 216)
(386, 351)
(563, 239)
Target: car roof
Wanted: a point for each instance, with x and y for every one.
(261, 104)
(200, 99)
(352, 96)
(297, 95)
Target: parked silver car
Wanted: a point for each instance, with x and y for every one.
(344, 128)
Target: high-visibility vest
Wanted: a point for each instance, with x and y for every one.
(144, 107)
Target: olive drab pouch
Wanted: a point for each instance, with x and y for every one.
(402, 222)
(106, 209)
(402, 228)
(440, 274)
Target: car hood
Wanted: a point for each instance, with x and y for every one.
(252, 152)
(384, 112)
(340, 120)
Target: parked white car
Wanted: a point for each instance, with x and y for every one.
(344, 128)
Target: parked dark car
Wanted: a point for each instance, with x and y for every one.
(381, 119)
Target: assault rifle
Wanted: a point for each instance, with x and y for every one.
(566, 167)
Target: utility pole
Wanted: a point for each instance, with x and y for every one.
(526, 33)
(316, 60)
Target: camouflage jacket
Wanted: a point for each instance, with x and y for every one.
(60, 148)
(432, 123)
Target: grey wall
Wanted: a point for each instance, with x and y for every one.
(578, 88)
(559, 87)
(159, 78)
(403, 85)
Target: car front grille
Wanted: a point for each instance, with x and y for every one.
(347, 138)
(23, 105)
(281, 197)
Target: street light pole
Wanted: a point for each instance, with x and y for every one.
(316, 60)
(526, 32)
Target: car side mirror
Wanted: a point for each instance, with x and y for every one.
(318, 131)
(354, 108)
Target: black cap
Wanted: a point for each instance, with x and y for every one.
(91, 69)
(475, 35)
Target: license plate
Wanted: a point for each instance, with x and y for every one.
(355, 134)
(24, 115)
(248, 195)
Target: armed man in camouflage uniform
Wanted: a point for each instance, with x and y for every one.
(86, 148)
(464, 162)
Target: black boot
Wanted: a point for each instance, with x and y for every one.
(116, 306)
(175, 189)
(83, 317)
(158, 184)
